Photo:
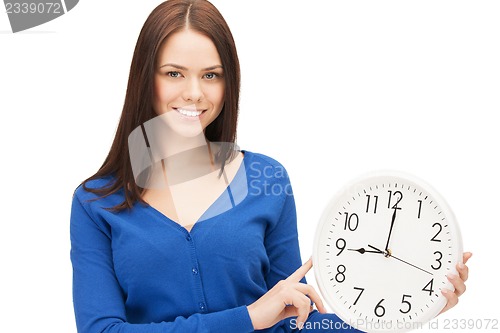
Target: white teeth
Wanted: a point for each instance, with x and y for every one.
(189, 113)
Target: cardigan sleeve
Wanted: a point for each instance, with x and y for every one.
(282, 247)
(98, 299)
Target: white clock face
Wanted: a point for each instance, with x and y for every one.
(382, 250)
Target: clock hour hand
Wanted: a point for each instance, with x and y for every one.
(363, 251)
(376, 250)
(389, 254)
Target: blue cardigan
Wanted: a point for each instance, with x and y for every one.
(137, 271)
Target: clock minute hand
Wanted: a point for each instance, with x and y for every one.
(387, 254)
(390, 231)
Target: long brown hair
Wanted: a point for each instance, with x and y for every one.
(166, 19)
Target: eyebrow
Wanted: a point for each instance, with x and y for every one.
(185, 69)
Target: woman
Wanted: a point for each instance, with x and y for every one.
(179, 231)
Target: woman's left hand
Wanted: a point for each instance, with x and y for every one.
(458, 282)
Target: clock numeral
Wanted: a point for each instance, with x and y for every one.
(428, 287)
(341, 244)
(407, 303)
(351, 221)
(438, 260)
(340, 277)
(368, 203)
(379, 309)
(357, 298)
(419, 208)
(439, 231)
(399, 197)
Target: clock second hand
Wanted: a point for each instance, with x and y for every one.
(388, 254)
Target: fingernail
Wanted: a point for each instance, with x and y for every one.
(451, 276)
(461, 265)
(444, 291)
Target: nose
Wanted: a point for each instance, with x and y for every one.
(193, 91)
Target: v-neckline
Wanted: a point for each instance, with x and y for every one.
(190, 231)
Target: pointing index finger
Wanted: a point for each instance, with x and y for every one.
(300, 272)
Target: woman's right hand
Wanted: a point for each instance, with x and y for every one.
(288, 298)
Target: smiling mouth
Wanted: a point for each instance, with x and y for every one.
(189, 112)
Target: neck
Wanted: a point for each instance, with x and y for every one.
(182, 158)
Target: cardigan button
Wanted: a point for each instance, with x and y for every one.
(202, 306)
(188, 238)
(195, 271)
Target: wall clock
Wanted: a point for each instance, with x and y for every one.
(382, 250)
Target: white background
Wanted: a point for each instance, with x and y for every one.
(331, 89)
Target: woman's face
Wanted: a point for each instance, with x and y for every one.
(189, 83)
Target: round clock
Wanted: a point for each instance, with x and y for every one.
(382, 250)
